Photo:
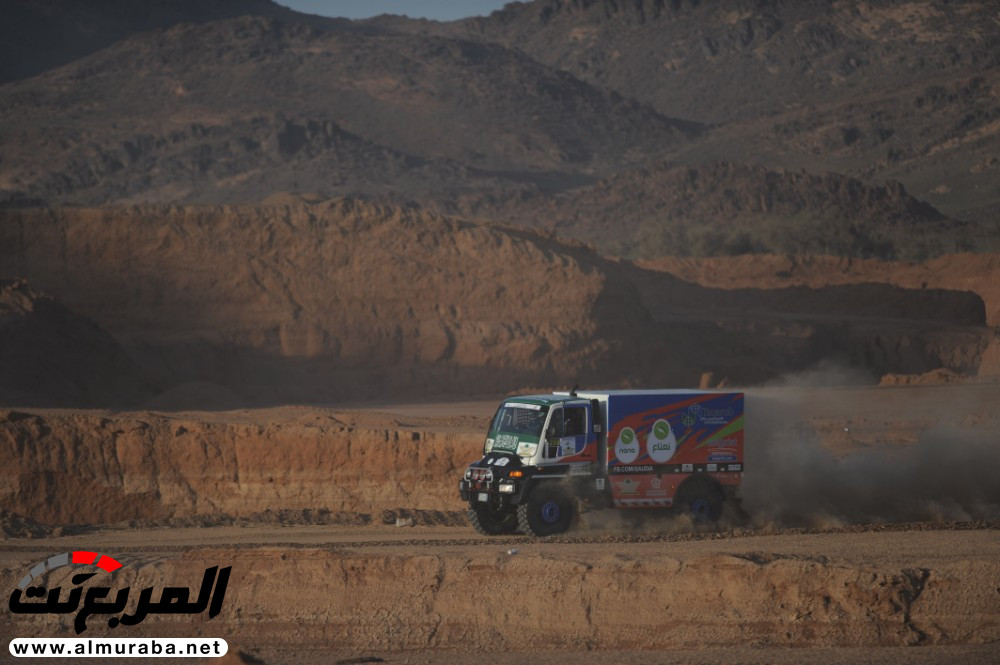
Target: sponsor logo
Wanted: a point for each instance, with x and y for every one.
(722, 443)
(627, 446)
(503, 461)
(722, 457)
(661, 443)
(687, 468)
(628, 486)
(735, 467)
(656, 488)
(28, 597)
(712, 467)
(631, 469)
(697, 412)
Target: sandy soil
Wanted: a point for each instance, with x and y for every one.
(825, 569)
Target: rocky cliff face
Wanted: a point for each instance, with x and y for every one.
(334, 300)
(88, 468)
(342, 299)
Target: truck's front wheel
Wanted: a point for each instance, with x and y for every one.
(491, 522)
(546, 511)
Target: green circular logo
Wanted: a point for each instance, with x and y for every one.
(627, 435)
(661, 429)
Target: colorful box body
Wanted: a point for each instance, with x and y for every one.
(657, 439)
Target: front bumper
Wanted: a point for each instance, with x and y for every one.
(501, 491)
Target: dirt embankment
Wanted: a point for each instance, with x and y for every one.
(570, 597)
(974, 273)
(85, 469)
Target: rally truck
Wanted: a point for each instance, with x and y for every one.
(546, 457)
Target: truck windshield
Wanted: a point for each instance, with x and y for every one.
(515, 418)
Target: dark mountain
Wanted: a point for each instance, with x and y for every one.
(198, 112)
(723, 61)
(643, 126)
(880, 89)
(37, 35)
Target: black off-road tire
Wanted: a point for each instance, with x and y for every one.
(546, 512)
(702, 500)
(491, 522)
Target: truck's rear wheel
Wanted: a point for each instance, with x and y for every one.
(547, 511)
(490, 522)
(702, 500)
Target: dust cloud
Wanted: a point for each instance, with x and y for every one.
(798, 476)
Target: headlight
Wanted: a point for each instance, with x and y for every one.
(468, 474)
(506, 488)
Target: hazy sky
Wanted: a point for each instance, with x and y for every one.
(441, 10)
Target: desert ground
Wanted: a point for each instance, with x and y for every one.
(871, 533)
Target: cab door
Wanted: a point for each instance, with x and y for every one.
(570, 436)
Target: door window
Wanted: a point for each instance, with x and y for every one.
(553, 433)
